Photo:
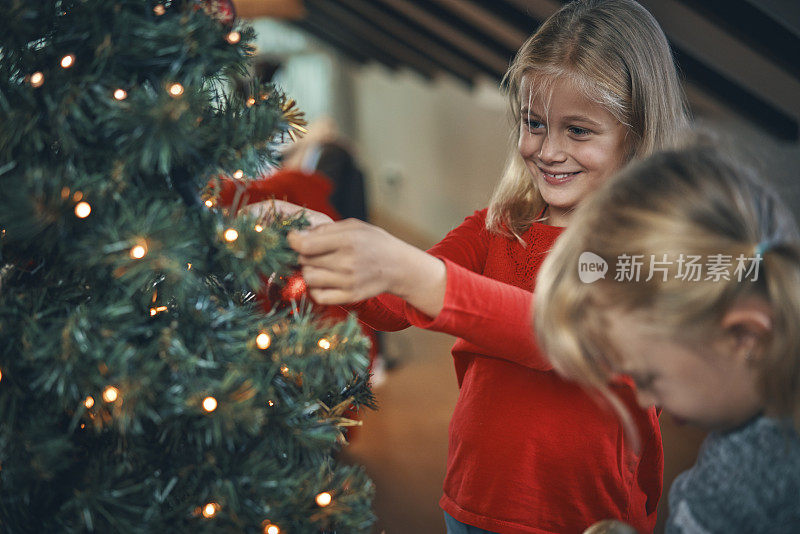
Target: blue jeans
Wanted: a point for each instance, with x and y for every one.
(454, 526)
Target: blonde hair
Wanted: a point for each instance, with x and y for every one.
(697, 202)
(618, 56)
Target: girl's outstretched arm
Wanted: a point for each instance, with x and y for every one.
(440, 290)
(350, 261)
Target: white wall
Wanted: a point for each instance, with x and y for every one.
(433, 150)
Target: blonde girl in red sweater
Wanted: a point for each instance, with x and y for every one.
(706, 326)
(594, 88)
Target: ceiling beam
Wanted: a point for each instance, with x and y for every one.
(749, 23)
(336, 15)
(423, 42)
(499, 29)
(497, 62)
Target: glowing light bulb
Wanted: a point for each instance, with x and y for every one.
(159, 10)
(270, 403)
(157, 310)
(77, 196)
(284, 370)
(82, 210)
(258, 228)
(37, 79)
(263, 341)
(251, 102)
(1, 376)
(324, 344)
(238, 174)
(269, 528)
(324, 499)
(120, 94)
(175, 89)
(231, 235)
(210, 510)
(233, 37)
(188, 266)
(110, 394)
(67, 61)
(209, 203)
(138, 252)
(209, 404)
(88, 402)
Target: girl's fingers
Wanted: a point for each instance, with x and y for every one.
(317, 278)
(319, 241)
(332, 297)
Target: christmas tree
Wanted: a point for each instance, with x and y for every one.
(141, 388)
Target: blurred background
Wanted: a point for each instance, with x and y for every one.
(410, 89)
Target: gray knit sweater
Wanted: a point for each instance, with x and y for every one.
(745, 480)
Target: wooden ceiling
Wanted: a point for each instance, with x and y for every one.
(743, 54)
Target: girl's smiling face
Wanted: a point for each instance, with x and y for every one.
(569, 143)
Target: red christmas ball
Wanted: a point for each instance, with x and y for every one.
(221, 10)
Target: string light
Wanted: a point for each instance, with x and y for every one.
(209, 203)
(231, 235)
(37, 79)
(238, 174)
(157, 310)
(284, 370)
(263, 341)
(138, 252)
(159, 10)
(233, 37)
(175, 89)
(251, 102)
(120, 94)
(82, 210)
(209, 404)
(324, 499)
(1, 376)
(324, 344)
(270, 403)
(269, 528)
(110, 394)
(88, 402)
(77, 196)
(258, 228)
(210, 510)
(188, 266)
(67, 61)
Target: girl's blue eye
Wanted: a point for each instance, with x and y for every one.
(533, 124)
(577, 130)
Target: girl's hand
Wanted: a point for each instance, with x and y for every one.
(267, 209)
(350, 260)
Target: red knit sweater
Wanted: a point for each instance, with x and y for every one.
(529, 452)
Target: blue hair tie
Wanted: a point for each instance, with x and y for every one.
(764, 246)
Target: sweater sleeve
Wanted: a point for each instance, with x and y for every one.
(493, 316)
(466, 246)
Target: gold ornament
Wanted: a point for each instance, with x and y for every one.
(295, 119)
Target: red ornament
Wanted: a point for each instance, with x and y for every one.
(279, 291)
(221, 10)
